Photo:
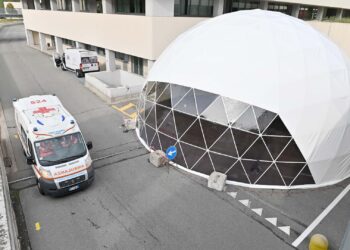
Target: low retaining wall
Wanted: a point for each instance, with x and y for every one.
(8, 226)
(114, 86)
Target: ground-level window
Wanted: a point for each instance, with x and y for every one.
(130, 6)
(308, 12)
(137, 65)
(122, 57)
(346, 13)
(200, 8)
(235, 5)
(100, 51)
(68, 42)
(284, 8)
(331, 13)
(90, 47)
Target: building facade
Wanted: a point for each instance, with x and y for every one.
(131, 34)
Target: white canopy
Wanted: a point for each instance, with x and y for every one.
(278, 63)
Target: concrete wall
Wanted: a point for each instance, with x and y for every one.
(140, 36)
(337, 32)
(113, 86)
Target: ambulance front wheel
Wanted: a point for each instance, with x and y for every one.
(41, 191)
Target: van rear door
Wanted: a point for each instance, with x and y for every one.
(89, 64)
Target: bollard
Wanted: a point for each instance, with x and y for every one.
(318, 242)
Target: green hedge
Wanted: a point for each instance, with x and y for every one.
(336, 20)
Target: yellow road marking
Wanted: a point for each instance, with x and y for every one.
(16, 136)
(122, 110)
(37, 226)
(133, 115)
(128, 106)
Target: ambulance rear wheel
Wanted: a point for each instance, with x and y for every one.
(41, 191)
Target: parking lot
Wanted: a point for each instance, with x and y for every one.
(132, 205)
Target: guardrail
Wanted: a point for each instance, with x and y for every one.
(10, 12)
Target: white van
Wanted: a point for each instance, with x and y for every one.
(79, 61)
(53, 145)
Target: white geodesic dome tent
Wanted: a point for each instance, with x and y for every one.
(278, 63)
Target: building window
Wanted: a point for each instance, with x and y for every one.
(64, 5)
(45, 5)
(331, 13)
(83, 5)
(130, 6)
(284, 8)
(122, 57)
(137, 65)
(30, 4)
(99, 6)
(68, 42)
(100, 51)
(308, 12)
(346, 13)
(235, 5)
(196, 8)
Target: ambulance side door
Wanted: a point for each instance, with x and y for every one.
(24, 140)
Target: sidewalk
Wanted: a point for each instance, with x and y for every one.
(8, 226)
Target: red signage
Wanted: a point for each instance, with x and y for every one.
(43, 110)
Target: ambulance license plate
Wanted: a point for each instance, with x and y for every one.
(73, 188)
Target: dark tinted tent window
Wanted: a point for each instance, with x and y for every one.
(196, 122)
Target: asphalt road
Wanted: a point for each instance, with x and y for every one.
(131, 204)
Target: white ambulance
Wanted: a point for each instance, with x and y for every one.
(53, 145)
(79, 61)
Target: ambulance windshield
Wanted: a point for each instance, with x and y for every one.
(60, 149)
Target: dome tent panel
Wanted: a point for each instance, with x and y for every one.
(294, 81)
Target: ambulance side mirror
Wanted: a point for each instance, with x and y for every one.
(30, 161)
(89, 145)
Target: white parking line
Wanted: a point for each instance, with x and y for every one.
(319, 218)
